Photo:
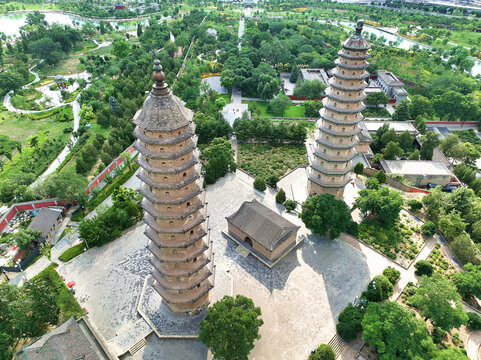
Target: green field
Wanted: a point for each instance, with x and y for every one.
(68, 66)
(293, 111)
(20, 127)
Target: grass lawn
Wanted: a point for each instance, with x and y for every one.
(68, 66)
(83, 46)
(105, 50)
(25, 99)
(19, 127)
(65, 300)
(259, 108)
(264, 160)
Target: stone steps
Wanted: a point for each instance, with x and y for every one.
(138, 346)
(337, 344)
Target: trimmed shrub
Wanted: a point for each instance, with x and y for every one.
(260, 184)
(423, 267)
(72, 252)
(272, 180)
(415, 205)
(281, 197)
(350, 322)
(474, 321)
(392, 274)
(380, 288)
(323, 352)
(290, 205)
(381, 177)
(428, 228)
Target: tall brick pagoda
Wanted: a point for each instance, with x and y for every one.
(174, 200)
(336, 137)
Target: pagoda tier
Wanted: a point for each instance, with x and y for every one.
(337, 130)
(174, 200)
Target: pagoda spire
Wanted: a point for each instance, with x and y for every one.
(336, 136)
(174, 200)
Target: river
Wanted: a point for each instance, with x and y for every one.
(11, 23)
(403, 43)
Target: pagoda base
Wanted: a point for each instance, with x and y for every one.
(313, 189)
(168, 322)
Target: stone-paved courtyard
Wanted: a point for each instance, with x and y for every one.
(300, 297)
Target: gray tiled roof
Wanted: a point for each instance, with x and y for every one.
(163, 113)
(45, 219)
(262, 224)
(66, 342)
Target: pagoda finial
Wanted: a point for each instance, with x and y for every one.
(359, 26)
(159, 87)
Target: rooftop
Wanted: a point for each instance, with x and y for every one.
(357, 41)
(262, 224)
(389, 78)
(415, 167)
(398, 126)
(66, 342)
(315, 74)
(45, 219)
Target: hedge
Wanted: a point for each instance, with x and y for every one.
(48, 113)
(72, 252)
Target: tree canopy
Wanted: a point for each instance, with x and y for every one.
(324, 214)
(385, 204)
(230, 328)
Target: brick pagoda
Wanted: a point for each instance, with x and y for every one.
(336, 136)
(174, 200)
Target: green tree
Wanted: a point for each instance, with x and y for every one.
(383, 203)
(87, 114)
(392, 151)
(424, 268)
(429, 228)
(372, 183)
(381, 176)
(294, 75)
(420, 124)
(290, 205)
(359, 168)
(260, 184)
(279, 105)
(24, 237)
(230, 328)
(402, 112)
(324, 214)
(113, 106)
(452, 224)
(405, 141)
(218, 159)
(396, 332)
(281, 196)
(437, 299)
(377, 98)
(120, 48)
(311, 89)
(323, 352)
(465, 250)
(139, 29)
(391, 274)
(414, 205)
(66, 185)
(349, 322)
(312, 108)
(420, 106)
(468, 282)
(429, 142)
(266, 81)
(450, 354)
(474, 321)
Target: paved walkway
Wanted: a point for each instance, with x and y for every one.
(472, 344)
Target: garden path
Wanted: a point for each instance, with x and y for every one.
(472, 344)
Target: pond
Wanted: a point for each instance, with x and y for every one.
(11, 23)
(402, 43)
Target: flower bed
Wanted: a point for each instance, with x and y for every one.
(264, 160)
(401, 243)
(440, 262)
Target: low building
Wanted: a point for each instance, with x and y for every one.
(391, 85)
(119, 6)
(365, 140)
(266, 234)
(372, 88)
(398, 126)
(46, 221)
(421, 173)
(212, 32)
(73, 340)
(314, 74)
